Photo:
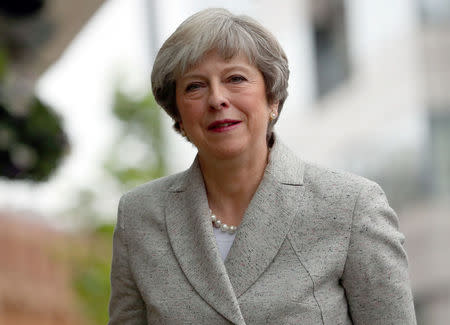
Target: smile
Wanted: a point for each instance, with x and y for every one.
(223, 125)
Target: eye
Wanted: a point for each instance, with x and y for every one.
(236, 79)
(192, 86)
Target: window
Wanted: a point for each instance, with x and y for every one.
(434, 12)
(330, 44)
(440, 151)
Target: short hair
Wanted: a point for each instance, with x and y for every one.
(229, 35)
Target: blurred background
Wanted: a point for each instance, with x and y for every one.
(369, 93)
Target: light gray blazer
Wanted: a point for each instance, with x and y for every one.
(315, 247)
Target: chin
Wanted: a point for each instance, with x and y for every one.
(231, 147)
(226, 150)
(228, 153)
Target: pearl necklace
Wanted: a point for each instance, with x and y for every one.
(223, 226)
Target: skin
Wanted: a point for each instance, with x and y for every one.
(232, 155)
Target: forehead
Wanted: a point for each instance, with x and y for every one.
(214, 60)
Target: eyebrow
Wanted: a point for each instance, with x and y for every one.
(188, 75)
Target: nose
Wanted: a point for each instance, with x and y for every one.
(217, 99)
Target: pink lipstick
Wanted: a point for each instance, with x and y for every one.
(223, 125)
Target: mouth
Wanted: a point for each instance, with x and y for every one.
(223, 125)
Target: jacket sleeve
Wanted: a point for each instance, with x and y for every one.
(375, 277)
(126, 306)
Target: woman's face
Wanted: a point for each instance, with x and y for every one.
(223, 107)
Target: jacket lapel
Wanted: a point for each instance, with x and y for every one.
(267, 219)
(258, 239)
(193, 242)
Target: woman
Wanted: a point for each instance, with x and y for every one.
(249, 234)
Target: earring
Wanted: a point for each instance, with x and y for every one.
(273, 115)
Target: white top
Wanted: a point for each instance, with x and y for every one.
(224, 241)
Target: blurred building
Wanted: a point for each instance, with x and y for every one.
(35, 33)
(35, 285)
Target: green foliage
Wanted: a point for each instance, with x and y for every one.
(32, 144)
(91, 269)
(105, 230)
(140, 125)
(32, 140)
(3, 63)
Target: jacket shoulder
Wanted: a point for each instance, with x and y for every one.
(325, 180)
(145, 203)
(156, 186)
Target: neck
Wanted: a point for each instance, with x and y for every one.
(231, 183)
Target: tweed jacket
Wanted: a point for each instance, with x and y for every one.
(315, 246)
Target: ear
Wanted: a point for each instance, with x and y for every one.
(274, 107)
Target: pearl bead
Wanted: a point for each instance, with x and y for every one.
(219, 224)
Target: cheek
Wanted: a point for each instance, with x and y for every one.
(189, 113)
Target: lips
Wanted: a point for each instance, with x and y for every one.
(222, 124)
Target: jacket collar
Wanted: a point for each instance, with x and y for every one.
(283, 165)
(258, 239)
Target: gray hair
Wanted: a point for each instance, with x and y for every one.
(229, 35)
